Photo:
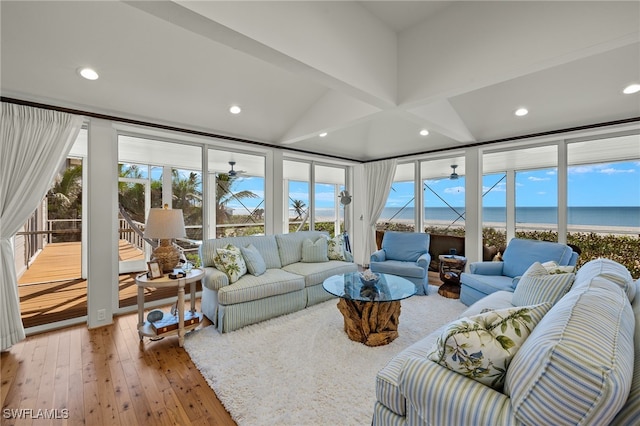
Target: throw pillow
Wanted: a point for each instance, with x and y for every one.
(482, 346)
(252, 257)
(537, 285)
(313, 252)
(553, 268)
(229, 260)
(336, 248)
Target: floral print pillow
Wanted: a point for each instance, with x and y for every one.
(335, 247)
(230, 261)
(482, 346)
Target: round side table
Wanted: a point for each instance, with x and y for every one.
(451, 267)
(145, 328)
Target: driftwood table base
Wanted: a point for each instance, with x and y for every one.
(449, 290)
(371, 323)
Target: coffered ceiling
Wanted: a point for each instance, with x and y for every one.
(370, 75)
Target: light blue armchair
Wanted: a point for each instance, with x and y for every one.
(485, 278)
(405, 254)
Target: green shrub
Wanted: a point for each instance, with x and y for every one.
(624, 249)
(319, 226)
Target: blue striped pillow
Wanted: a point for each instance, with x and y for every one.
(252, 257)
(537, 286)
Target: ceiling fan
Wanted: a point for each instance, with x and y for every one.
(453, 175)
(234, 172)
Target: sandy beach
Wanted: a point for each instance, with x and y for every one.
(615, 230)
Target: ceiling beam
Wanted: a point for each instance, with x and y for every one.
(331, 112)
(293, 36)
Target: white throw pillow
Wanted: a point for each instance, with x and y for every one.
(230, 261)
(314, 251)
(482, 346)
(537, 285)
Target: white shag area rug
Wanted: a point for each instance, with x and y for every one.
(301, 368)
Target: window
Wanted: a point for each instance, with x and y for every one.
(494, 209)
(328, 213)
(296, 186)
(320, 209)
(536, 193)
(603, 199)
(444, 196)
(154, 173)
(399, 210)
(186, 190)
(239, 187)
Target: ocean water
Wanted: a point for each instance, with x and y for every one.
(598, 216)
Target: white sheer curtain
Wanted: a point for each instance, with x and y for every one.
(378, 177)
(33, 144)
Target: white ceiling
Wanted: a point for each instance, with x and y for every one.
(371, 74)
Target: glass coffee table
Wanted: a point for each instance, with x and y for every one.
(371, 313)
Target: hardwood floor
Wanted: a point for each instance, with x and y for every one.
(106, 376)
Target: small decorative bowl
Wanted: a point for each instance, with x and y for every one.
(155, 315)
(369, 280)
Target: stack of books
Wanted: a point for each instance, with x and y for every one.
(170, 322)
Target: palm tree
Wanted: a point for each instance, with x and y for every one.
(131, 195)
(64, 200)
(300, 207)
(225, 194)
(187, 195)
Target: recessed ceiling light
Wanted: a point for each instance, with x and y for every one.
(424, 132)
(520, 112)
(323, 134)
(235, 109)
(88, 73)
(632, 88)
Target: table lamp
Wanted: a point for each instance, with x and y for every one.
(165, 224)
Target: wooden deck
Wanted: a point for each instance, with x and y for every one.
(51, 289)
(56, 262)
(62, 262)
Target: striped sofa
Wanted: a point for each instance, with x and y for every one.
(579, 366)
(288, 285)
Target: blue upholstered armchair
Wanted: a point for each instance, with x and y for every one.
(405, 254)
(485, 278)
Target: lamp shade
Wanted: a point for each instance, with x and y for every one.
(165, 224)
